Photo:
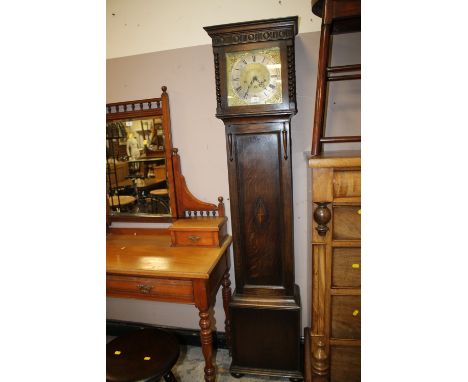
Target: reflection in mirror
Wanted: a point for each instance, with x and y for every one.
(137, 181)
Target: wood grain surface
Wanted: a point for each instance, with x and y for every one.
(346, 317)
(345, 364)
(346, 271)
(343, 158)
(346, 223)
(152, 255)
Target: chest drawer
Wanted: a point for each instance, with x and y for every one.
(346, 267)
(346, 317)
(345, 364)
(346, 183)
(141, 287)
(346, 222)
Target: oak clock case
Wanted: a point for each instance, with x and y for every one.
(255, 94)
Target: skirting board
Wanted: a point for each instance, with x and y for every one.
(189, 337)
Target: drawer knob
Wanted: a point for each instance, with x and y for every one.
(194, 238)
(144, 288)
(359, 211)
(356, 266)
(355, 312)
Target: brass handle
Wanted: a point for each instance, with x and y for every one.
(194, 238)
(359, 211)
(355, 312)
(356, 266)
(144, 288)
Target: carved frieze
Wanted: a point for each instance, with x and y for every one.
(253, 36)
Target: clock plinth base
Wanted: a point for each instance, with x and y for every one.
(266, 335)
(239, 372)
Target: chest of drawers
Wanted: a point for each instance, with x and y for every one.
(333, 341)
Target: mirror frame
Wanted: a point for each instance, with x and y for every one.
(152, 107)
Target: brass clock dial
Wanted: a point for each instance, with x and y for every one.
(254, 77)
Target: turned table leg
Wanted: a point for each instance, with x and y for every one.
(206, 338)
(226, 302)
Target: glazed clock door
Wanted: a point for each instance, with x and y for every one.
(254, 77)
(260, 179)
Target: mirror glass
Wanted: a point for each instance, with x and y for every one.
(136, 174)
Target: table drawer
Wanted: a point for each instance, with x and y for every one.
(346, 184)
(346, 317)
(346, 268)
(347, 222)
(345, 364)
(158, 289)
(196, 238)
(199, 232)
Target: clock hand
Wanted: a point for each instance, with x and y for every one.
(254, 78)
(247, 91)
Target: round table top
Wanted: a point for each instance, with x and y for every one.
(124, 200)
(161, 191)
(141, 355)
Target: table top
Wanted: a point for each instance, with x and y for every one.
(342, 158)
(147, 252)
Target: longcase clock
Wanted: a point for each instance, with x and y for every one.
(256, 98)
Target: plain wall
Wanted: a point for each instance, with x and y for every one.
(188, 74)
(146, 26)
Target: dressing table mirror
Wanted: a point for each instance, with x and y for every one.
(144, 180)
(139, 170)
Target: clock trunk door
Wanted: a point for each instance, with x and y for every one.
(261, 196)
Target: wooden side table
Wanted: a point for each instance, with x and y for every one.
(142, 264)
